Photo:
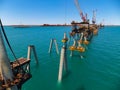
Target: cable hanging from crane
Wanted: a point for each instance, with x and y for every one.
(8, 41)
(94, 16)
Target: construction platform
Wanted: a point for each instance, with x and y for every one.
(19, 62)
(21, 74)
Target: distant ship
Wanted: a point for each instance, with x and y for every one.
(21, 26)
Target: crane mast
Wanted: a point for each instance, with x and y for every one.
(94, 17)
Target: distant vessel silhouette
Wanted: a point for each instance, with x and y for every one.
(21, 26)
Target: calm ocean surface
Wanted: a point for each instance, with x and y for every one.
(98, 70)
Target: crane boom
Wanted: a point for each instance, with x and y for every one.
(80, 11)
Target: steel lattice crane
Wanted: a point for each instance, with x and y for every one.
(83, 17)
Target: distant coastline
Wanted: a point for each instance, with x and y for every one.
(56, 25)
(23, 26)
(26, 26)
(20, 26)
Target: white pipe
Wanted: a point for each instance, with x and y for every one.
(34, 52)
(50, 47)
(74, 42)
(29, 53)
(65, 59)
(65, 55)
(28, 67)
(65, 36)
(5, 71)
(56, 45)
(81, 36)
(61, 64)
(79, 44)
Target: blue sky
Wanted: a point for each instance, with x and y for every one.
(57, 11)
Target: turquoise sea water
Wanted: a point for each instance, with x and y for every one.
(98, 70)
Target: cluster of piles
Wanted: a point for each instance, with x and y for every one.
(81, 34)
